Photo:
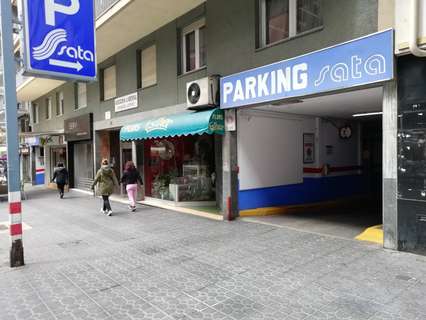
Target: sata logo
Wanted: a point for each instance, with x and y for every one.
(54, 42)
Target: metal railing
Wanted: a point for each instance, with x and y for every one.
(102, 6)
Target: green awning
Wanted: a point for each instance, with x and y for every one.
(182, 124)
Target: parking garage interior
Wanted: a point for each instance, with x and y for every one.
(341, 192)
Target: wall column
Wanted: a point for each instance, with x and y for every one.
(230, 175)
(390, 165)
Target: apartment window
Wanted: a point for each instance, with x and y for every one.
(109, 83)
(35, 113)
(81, 95)
(48, 108)
(148, 65)
(194, 46)
(59, 103)
(283, 19)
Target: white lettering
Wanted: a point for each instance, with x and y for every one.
(262, 85)
(300, 76)
(340, 72)
(356, 64)
(239, 92)
(227, 90)
(51, 7)
(273, 82)
(250, 87)
(283, 81)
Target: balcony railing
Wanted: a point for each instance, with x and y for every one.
(102, 6)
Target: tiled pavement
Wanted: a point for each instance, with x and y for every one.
(157, 264)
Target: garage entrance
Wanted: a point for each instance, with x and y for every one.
(313, 164)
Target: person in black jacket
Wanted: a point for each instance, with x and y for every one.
(61, 178)
(130, 179)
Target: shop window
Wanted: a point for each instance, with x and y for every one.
(148, 67)
(283, 19)
(180, 169)
(59, 103)
(81, 95)
(194, 55)
(109, 83)
(35, 113)
(48, 108)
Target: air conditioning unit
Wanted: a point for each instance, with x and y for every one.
(203, 93)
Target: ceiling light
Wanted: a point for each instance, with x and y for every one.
(368, 114)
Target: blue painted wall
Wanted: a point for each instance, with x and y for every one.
(310, 191)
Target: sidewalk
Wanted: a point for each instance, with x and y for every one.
(158, 264)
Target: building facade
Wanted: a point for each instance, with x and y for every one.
(313, 148)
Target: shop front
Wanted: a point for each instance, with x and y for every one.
(179, 156)
(78, 134)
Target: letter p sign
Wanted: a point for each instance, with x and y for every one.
(51, 7)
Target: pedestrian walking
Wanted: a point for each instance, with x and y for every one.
(105, 181)
(130, 179)
(60, 176)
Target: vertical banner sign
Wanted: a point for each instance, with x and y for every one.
(60, 39)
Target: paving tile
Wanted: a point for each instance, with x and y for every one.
(161, 265)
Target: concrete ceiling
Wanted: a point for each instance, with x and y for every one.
(342, 105)
(33, 88)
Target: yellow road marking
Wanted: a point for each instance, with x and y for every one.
(372, 234)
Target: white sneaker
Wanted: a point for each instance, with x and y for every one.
(130, 207)
(109, 213)
(102, 211)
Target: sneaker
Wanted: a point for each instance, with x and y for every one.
(109, 213)
(134, 209)
(130, 208)
(102, 211)
(61, 196)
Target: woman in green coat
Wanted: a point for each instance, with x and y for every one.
(106, 181)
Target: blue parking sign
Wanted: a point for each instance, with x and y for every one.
(60, 39)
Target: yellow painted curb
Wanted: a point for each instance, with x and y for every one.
(270, 211)
(372, 234)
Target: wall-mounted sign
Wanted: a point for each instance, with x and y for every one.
(126, 102)
(32, 141)
(308, 148)
(79, 128)
(230, 120)
(60, 39)
(356, 63)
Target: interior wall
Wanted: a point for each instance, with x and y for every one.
(269, 151)
(344, 152)
(270, 158)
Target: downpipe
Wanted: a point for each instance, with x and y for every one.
(414, 30)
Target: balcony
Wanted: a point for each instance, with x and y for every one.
(102, 6)
(119, 23)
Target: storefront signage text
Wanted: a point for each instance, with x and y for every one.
(126, 102)
(159, 124)
(356, 63)
(79, 128)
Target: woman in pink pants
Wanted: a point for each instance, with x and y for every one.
(130, 179)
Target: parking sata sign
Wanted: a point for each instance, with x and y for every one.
(60, 39)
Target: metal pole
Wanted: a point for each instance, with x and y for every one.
(13, 174)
